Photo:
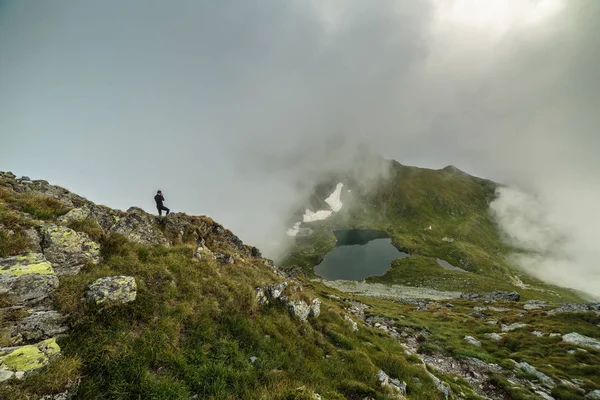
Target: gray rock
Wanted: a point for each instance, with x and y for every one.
(299, 309)
(534, 304)
(570, 308)
(554, 334)
(478, 315)
(35, 240)
(544, 395)
(512, 327)
(593, 395)
(441, 386)
(261, 297)
(39, 325)
(472, 340)
(495, 295)
(67, 250)
(395, 385)
(30, 278)
(203, 252)
(112, 289)
(315, 308)
(139, 227)
(537, 333)
(5, 374)
(543, 378)
(275, 291)
(253, 359)
(581, 340)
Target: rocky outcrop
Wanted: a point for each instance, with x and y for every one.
(581, 340)
(112, 290)
(575, 308)
(534, 305)
(18, 362)
(39, 325)
(267, 293)
(529, 369)
(30, 278)
(139, 227)
(67, 250)
(75, 215)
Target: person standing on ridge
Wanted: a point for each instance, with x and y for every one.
(159, 203)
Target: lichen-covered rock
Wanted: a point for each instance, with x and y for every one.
(67, 250)
(139, 227)
(75, 215)
(38, 325)
(299, 309)
(23, 360)
(30, 278)
(581, 340)
(112, 289)
(315, 308)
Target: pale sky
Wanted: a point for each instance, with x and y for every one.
(224, 104)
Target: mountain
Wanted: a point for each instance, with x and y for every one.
(97, 303)
(429, 214)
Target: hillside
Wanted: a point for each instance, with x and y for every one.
(106, 304)
(429, 214)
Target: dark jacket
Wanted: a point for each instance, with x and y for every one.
(159, 200)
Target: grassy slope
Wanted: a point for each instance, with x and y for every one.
(455, 205)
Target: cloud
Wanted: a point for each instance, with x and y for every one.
(234, 109)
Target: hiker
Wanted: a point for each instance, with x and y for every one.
(159, 203)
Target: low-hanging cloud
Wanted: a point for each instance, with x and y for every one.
(233, 108)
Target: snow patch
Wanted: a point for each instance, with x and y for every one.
(334, 200)
(294, 231)
(310, 216)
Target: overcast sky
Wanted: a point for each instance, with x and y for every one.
(115, 99)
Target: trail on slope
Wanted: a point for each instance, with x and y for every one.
(381, 291)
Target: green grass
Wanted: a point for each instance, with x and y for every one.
(12, 244)
(194, 327)
(89, 227)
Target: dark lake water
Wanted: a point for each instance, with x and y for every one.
(358, 255)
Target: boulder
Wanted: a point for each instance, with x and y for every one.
(299, 309)
(39, 325)
(139, 227)
(67, 250)
(112, 289)
(30, 278)
(315, 308)
(17, 362)
(581, 340)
